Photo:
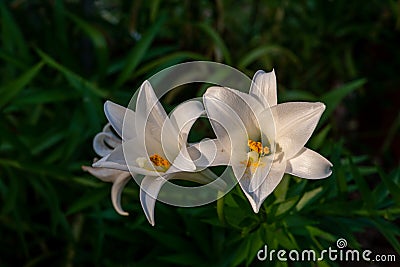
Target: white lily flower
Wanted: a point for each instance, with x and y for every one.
(103, 144)
(261, 153)
(153, 144)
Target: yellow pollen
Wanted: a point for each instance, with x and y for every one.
(254, 156)
(258, 147)
(255, 146)
(159, 161)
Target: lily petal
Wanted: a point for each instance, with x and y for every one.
(176, 129)
(263, 86)
(150, 115)
(208, 153)
(257, 197)
(183, 161)
(309, 164)
(295, 123)
(230, 130)
(182, 119)
(245, 106)
(104, 174)
(118, 115)
(184, 116)
(152, 123)
(114, 160)
(260, 173)
(149, 189)
(131, 151)
(104, 143)
(116, 191)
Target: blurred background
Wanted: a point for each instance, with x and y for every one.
(60, 61)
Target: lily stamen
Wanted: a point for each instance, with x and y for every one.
(256, 152)
(159, 161)
(258, 147)
(153, 162)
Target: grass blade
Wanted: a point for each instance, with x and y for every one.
(138, 52)
(11, 90)
(334, 97)
(217, 40)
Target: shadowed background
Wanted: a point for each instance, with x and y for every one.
(60, 61)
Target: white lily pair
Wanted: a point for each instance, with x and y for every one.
(259, 138)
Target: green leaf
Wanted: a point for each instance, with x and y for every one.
(334, 97)
(138, 52)
(220, 207)
(287, 205)
(393, 188)
(217, 40)
(39, 96)
(362, 185)
(255, 243)
(266, 51)
(296, 95)
(61, 33)
(166, 61)
(97, 38)
(389, 231)
(249, 246)
(319, 139)
(282, 188)
(308, 198)
(87, 201)
(316, 232)
(12, 38)
(11, 90)
(76, 81)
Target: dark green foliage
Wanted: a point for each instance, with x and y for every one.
(60, 60)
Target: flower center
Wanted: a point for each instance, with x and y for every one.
(257, 150)
(258, 147)
(155, 161)
(159, 161)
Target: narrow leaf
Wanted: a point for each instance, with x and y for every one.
(334, 97)
(11, 90)
(138, 52)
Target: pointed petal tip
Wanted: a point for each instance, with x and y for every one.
(116, 191)
(309, 164)
(96, 164)
(259, 72)
(146, 84)
(212, 90)
(123, 213)
(256, 208)
(108, 105)
(150, 219)
(108, 102)
(320, 106)
(255, 205)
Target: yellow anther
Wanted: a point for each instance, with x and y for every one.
(258, 147)
(255, 146)
(159, 161)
